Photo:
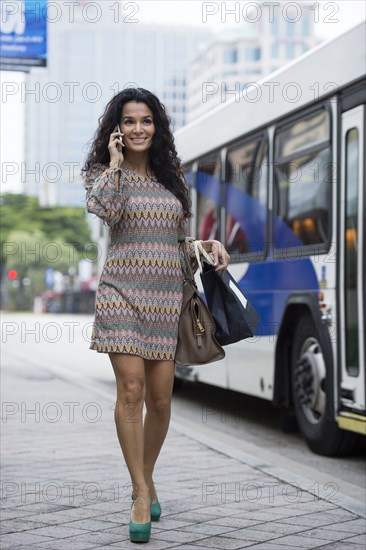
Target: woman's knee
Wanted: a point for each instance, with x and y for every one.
(130, 378)
(159, 406)
(131, 389)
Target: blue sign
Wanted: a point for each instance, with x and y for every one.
(23, 33)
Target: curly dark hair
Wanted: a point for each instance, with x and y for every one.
(163, 158)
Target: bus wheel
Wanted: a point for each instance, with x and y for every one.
(312, 392)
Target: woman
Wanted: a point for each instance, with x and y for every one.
(134, 182)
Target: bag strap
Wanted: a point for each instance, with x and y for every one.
(200, 251)
(188, 272)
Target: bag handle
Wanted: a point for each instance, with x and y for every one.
(188, 272)
(200, 251)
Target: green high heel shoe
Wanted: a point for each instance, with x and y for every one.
(139, 532)
(155, 509)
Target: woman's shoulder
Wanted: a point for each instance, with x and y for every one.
(94, 170)
(97, 169)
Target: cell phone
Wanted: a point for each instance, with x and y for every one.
(119, 130)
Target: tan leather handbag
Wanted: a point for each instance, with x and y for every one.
(197, 344)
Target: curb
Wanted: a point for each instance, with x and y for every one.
(343, 501)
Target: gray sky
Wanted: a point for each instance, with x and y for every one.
(331, 19)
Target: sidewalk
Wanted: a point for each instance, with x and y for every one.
(65, 486)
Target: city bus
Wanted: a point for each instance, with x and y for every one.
(277, 174)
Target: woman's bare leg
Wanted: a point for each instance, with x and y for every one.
(130, 379)
(159, 376)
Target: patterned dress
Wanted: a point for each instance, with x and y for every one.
(139, 297)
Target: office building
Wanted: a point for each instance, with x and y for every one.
(271, 35)
(92, 54)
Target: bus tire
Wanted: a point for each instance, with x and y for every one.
(312, 392)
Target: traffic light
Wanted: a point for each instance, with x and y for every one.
(12, 274)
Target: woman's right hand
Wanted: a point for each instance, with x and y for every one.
(115, 148)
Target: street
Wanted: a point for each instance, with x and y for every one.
(227, 477)
(39, 346)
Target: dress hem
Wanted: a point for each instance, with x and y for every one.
(132, 350)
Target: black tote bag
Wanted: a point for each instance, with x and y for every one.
(234, 316)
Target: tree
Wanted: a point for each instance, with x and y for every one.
(66, 223)
(30, 254)
(23, 213)
(35, 238)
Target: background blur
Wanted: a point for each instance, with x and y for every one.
(49, 113)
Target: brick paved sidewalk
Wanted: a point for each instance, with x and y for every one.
(65, 486)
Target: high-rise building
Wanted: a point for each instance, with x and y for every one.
(94, 50)
(273, 35)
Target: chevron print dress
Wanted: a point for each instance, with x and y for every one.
(140, 292)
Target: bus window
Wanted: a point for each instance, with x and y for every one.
(352, 299)
(208, 198)
(302, 186)
(189, 177)
(312, 131)
(246, 200)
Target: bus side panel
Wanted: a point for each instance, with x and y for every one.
(267, 285)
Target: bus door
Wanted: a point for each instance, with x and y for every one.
(351, 270)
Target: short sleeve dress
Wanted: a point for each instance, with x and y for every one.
(139, 296)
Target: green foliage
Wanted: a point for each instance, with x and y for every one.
(34, 251)
(18, 213)
(23, 213)
(34, 239)
(66, 223)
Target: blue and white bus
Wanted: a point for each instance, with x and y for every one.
(278, 175)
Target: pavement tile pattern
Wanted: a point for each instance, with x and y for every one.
(65, 485)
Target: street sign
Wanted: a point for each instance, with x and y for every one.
(23, 34)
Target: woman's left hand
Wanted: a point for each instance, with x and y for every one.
(218, 251)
